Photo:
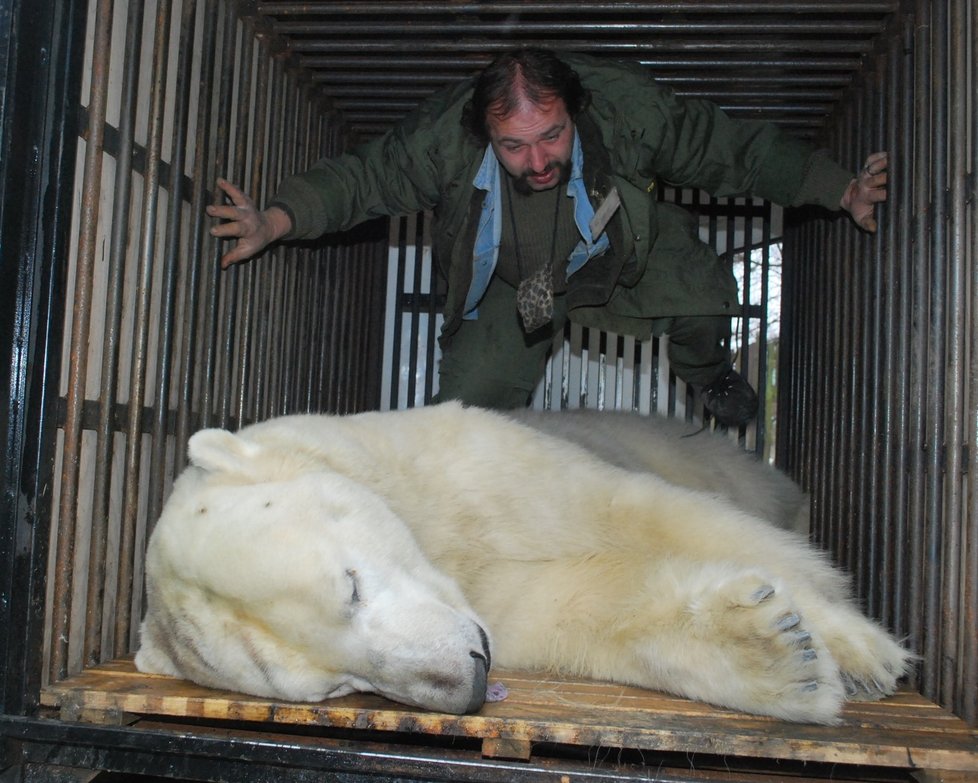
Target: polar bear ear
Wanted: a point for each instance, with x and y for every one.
(219, 450)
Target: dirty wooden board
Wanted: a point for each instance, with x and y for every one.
(905, 731)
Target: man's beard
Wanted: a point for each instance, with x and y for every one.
(521, 184)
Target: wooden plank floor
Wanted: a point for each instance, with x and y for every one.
(905, 731)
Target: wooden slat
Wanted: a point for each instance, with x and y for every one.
(905, 731)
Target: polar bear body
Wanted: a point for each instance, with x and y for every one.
(398, 550)
(681, 453)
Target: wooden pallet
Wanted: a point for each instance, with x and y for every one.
(905, 732)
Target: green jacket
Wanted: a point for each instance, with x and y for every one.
(635, 133)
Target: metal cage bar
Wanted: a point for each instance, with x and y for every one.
(879, 380)
(588, 368)
(162, 342)
(881, 334)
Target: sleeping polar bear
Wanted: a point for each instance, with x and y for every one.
(400, 553)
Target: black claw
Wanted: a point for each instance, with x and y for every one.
(788, 622)
(762, 593)
(810, 686)
(802, 638)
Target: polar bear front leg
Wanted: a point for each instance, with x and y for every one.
(734, 637)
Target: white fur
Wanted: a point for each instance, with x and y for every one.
(445, 515)
(681, 453)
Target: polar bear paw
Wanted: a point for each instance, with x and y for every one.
(870, 660)
(771, 662)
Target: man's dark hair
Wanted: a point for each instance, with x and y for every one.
(538, 74)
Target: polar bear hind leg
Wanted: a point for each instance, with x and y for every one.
(734, 637)
(870, 661)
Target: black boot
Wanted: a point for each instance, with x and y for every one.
(730, 399)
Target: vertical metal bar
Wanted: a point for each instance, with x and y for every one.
(266, 135)
(265, 373)
(875, 391)
(359, 297)
(957, 137)
(867, 436)
(822, 384)
(227, 280)
(303, 345)
(347, 299)
(833, 391)
(790, 452)
(94, 609)
(936, 352)
(373, 347)
(400, 273)
(316, 283)
(433, 309)
(903, 171)
(811, 273)
(359, 327)
(337, 332)
(922, 190)
(255, 104)
(787, 440)
(215, 282)
(817, 275)
(333, 259)
(745, 322)
(823, 241)
(844, 359)
(196, 272)
(320, 281)
(237, 280)
(284, 162)
(417, 243)
(172, 250)
(144, 275)
(761, 434)
(892, 510)
(297, 264)
(969, 675)
(81, 319)
(291, 328)
(333, 280)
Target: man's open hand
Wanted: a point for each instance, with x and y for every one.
(254, 229)
(866, 191)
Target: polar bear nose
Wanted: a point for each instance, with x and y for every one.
(481, 679)
(485, 654)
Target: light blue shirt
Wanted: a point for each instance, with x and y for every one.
(485, 252)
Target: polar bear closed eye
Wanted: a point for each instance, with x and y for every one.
(369, 552)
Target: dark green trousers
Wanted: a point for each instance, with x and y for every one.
(491, 362)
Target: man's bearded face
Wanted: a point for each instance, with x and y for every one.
(534, 144)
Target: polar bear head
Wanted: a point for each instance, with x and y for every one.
(301, 587)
